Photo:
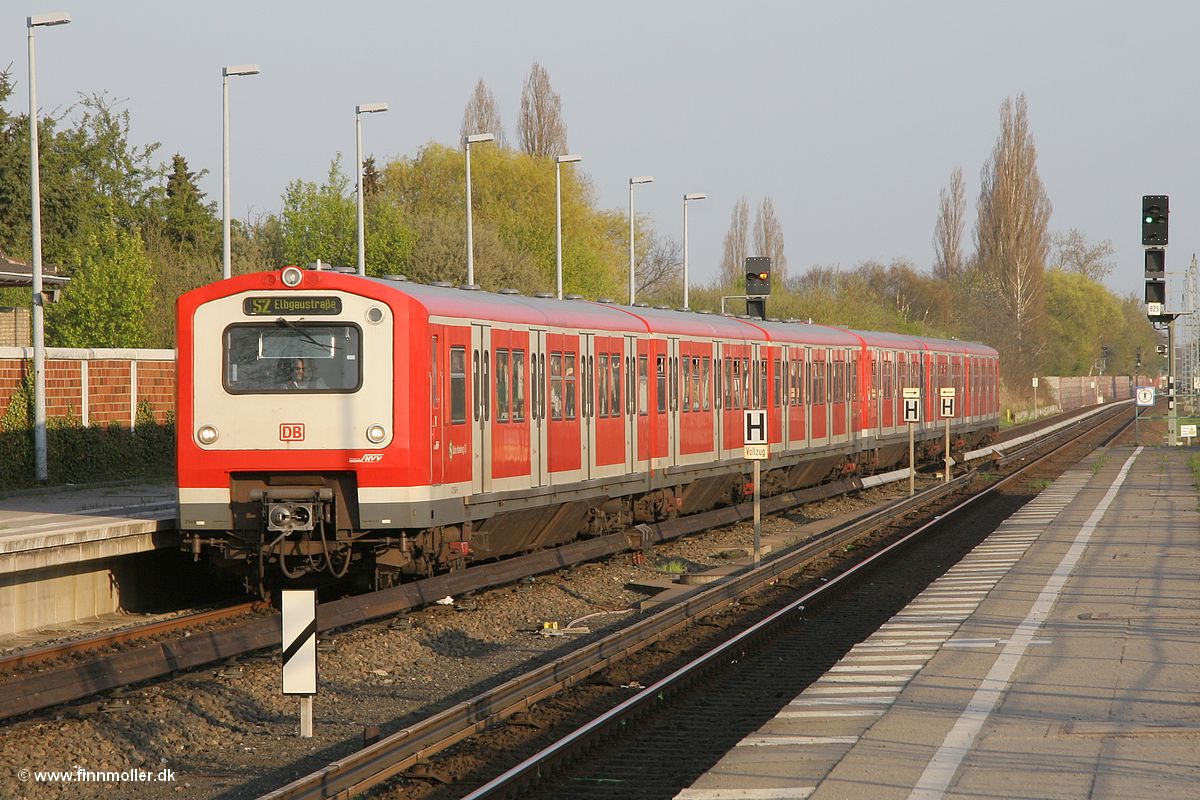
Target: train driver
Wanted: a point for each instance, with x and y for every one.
(302, 377)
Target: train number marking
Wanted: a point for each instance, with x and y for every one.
(291, 431)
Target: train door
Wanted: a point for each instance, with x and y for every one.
(718, 411)
(673, 390)
(783, 398)
(453, 454)
(587, 403)
(538, 473)
(608, 420)
(562, 408)
(481, 396)
(633, 384)
(436, 420)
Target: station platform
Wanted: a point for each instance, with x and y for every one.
(58, 548)
(1059, 659)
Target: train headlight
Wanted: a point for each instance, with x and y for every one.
(374, 315)
(292, 276)
(207, 434)
(376, 433)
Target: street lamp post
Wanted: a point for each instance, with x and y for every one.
(40, 462)
(558, 162)
(241, 69)
(632, 181)
(365, 108)
(686, 198)
(467, 142)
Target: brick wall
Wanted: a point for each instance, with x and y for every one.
(116, 381)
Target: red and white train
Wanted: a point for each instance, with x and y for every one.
(435, 425)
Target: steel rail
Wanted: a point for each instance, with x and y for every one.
(405, 748)
(39, 655)
(529, 769)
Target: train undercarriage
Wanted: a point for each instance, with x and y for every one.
(294, 529)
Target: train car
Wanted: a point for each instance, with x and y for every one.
(331, 424)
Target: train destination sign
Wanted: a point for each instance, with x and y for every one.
(283, 306)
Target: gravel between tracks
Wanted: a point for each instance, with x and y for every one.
(228, 733)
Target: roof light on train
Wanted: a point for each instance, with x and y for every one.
(292, 276)
(376, 433)
(206, 434)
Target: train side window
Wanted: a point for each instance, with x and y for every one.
(475, 367)
(614, 385)
(695, 383)
(735, 383)
(778, 383)
(518, 385)
(502, 395)
(630, 390)
(433, 372)
(747, 379)
(706, 382)
(540, 380)
(674, 383)
(661, 383)
(717, 390)
(458, 385)
(569, 385)
(687, 383)
(643, 386)
(604, 375)
(487, 385)
(556, 386)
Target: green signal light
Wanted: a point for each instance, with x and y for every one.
(1149, 219)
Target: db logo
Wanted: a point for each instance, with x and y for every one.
(291, 431)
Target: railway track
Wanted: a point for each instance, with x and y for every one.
(413, 746)
(162, 655)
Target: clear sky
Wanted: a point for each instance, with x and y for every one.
(850, 115)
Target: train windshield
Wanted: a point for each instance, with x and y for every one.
(285, 356)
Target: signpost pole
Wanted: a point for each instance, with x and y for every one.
(1137, 428)
(947, 449)
(1035, 383)
(912, 462)
(757, 517)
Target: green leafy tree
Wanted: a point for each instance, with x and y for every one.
(319, 222)
(108, 300)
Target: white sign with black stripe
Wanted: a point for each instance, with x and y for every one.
(299, 641)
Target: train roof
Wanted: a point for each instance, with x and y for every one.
(458, 303)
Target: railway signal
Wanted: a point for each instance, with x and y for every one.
(758, 276)
(1155, 211)
(1156, 279)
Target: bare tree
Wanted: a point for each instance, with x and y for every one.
(737, 240)
(659, 267)
(540, 128)
(768, 240)
(482, 115)
(947, 235)
(1072, 253)
(1013, 242)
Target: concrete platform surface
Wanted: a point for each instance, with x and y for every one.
(68, 524)
(1059, 659)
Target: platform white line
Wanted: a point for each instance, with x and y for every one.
(942, 768)
(790, 793)
(849, 712)
(778, 741)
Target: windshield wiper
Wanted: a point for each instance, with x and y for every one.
(303, 333)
